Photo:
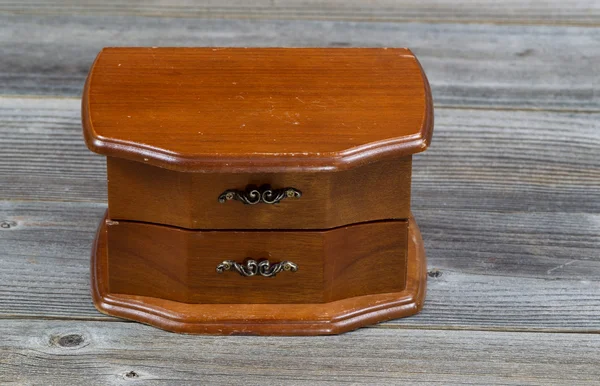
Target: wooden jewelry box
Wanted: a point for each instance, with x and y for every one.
(258, 190)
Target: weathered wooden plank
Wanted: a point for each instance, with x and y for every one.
(458, 300)
(479, 159)
(580, 12)
(43, 153)
(44, 267)
(52, 242)
(96, 353)
(519, 244)
(468, 64)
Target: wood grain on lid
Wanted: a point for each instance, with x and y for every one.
(256, 109)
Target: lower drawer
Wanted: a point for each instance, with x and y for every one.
(181, 265)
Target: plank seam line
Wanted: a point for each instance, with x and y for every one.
(536, 330)
(525, 109)
(444, 107)
(313, 17)
(425, 209)
(99, 318)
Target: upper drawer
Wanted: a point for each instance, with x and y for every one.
(376, 191)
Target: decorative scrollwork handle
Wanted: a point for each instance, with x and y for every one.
(264, 194)
(252, 267)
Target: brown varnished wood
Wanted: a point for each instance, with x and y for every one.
(338, 125)
(377, 191)
(257, 109)
(263, 319)
(176, 264)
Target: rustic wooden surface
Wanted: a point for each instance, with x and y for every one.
(507, 198)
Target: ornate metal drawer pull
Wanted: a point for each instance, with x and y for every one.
(264, 194)
(252, 267)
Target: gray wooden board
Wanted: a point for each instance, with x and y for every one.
(97, 353)
(517, 66)
(44, 268)
(480, 159)
(582, 12)
(507, 198)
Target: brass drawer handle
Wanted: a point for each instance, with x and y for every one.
(252, 267)
(264, 194)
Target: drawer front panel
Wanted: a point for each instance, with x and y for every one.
(181, 265)
(378, 191)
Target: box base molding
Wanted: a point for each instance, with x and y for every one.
(263, 319)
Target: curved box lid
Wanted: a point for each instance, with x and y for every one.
(256, 109)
